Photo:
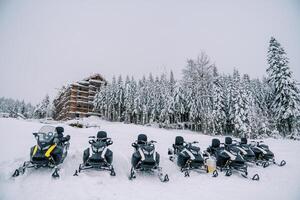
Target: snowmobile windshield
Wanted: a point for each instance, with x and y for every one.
(46, 134)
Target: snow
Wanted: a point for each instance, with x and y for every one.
(16, 140)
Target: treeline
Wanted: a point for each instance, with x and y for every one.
(16, 108)
(207, 101)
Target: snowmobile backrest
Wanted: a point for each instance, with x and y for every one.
(59, 129)
(244, 140)
(142, 139)
(228, 140)
(215, 143)
(101, 134)
(179, 140)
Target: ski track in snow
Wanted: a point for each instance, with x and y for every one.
(16, 140)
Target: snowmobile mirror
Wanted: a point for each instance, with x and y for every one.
(195, 142)
(134, 144)
(91, 141)
(36, 135)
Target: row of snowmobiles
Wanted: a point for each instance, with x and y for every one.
(232, 156)
(52, 148)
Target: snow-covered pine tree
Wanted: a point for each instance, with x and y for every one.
(259, 117)
(120, 99)
(239, 104)
(151, 99)
(171, 110)
(218, 105)
(42, 110)
(285, 100)
(198, 81)
(127, 100)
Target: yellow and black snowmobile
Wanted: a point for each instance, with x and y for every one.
(50, 151)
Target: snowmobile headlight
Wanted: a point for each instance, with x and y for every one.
(97, 150)
(148, 152)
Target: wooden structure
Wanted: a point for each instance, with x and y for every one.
(76, 100)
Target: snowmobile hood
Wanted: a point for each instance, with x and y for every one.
(98, 146)
(194, 148)
(147, 148)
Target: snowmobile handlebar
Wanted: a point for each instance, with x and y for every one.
(138, 143)
(107, 140)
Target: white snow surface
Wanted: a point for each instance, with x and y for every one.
(16, 140)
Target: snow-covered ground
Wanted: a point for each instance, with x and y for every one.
(16, 139)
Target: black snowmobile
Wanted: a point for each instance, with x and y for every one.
(50, 151)
(237, 147)
(263, 155)
(188, 156)
(146, 159)
(229, 160)
(98, 156)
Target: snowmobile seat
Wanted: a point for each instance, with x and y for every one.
(179, 144)
(142, 139)
(101, 135)
(215, 143)
(228, 140)
(179, 141)
(60, 131)
(244, 140)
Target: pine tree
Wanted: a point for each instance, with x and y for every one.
(285, 100)
(218, 106)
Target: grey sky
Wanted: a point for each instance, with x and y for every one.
(45, 44)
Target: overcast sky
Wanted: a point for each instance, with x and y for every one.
(45, 44)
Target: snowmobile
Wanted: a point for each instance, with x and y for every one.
(98, 156)
(50, 151)
(188, 156)
(245, 151)
(229, 160)
(146, 159)
(263, 155)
